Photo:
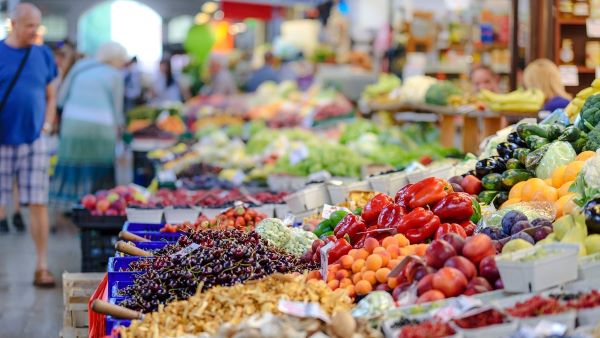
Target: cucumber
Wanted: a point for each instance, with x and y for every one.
(533, 158)
(535, 142)
(570, 134)
(487, 196)
(525, 130)
(521, 154)
(492, 181)
(554, 131)
(514, 176)
(513, 163)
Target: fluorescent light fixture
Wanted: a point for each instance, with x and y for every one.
(201, 18)
(210, 7)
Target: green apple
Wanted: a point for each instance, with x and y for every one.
(516, 245)
(592, 244)
(562, 225)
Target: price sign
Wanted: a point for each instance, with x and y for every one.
(592, 28)
(324, 260)
(187, 250)
(569, 75)
(303, 310)
(330, 209)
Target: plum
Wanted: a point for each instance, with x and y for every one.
(457, 187)
(519, 226)
(523, 235)
(493, 233)
(542, 232)
(510, 219)
(455, 180)
(541, 222)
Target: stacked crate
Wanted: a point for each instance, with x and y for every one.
(77, 290)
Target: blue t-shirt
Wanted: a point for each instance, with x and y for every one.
(22, 118)
(556, 103)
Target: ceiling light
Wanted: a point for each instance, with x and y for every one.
(201, 18)
(210, 7)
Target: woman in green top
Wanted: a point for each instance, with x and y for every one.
(92, 101)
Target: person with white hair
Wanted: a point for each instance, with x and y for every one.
(91, 97)
(27, 111)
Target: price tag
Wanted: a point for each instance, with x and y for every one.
(289, 219)
(324, 260)
(166, 176)
(303, 310)
(299, 154)
(186, 251)
(330, 209)
(569, 75)
(592, 28)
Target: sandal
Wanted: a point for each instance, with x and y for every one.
(44, 279)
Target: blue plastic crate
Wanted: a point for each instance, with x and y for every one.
(131, 227)
(115, 264)
(157, 236)
(111, 322)
(151, 246)
(113, 289)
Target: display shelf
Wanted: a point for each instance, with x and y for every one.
(571, 21)
(586, 70)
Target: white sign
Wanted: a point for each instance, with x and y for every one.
(593, 28)
(330, 209)
(186, 251)
(324, 259)
(303, 310)
(569, 75)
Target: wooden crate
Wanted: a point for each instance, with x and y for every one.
(77, 290)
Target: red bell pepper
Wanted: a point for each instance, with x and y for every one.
(428, 192)
(373, 208)
(318, 244)
(390, 216)
(450, 227)
(340, 248)
(351, 225)
(469, 227)
(455, 206)
(403, 197)
(414, 219)
(419, 235)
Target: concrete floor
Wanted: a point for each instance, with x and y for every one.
(28, 311)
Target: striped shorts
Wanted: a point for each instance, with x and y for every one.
(28, 165)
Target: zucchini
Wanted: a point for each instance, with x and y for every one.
(533, 158)
(520, 154)
(487, 196)
(525, 130)
(500, 198)
(570, 134)
(492, 181)
(513, 163)
(554, 131)
(535, 142)
(514, 176)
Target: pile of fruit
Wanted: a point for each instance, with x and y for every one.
(238, 217)
(519, 101)
(114, 201)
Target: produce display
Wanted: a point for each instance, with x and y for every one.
(160, 121)
(114, 201)
(517, 101)
(574, 107)
(292, 240)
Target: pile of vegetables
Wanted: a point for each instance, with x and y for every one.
(292, 240)
(439, 93)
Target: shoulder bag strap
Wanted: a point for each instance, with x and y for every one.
(13, 81)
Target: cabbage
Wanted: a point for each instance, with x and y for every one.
(559, 153)
(273, 231)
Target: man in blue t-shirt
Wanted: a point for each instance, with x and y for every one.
(27, 110)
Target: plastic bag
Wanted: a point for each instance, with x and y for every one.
(375, 304)
(558, 153)
(533, 210)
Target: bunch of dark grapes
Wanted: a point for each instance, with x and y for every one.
(225, 257)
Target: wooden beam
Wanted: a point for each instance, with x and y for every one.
(514, 44)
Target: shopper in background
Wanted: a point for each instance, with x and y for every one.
(166, 86)
(263, 74)
(27, 110)
(133, 85)
(221, 79)
(544, 75)
(483, 77)
(92, 101)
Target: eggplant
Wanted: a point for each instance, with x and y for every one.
(486, 166)
(505, 149)
(501, 166)
(591, 211)
(514, 138)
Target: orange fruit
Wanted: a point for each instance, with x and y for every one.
(382, 275)
(388, 241)
(402, 240)
(393, 250)
(392, 282)
(379, 249)
(548, 181)
(341, 274)
(572, 170)
(353, 253)
(393, 262)
(370, 244)
(584, 156)
(358, 265)
(316, 274)
(330, 276)
(531, 187)
(374, 262)
(559, 205)
(350, 290)
(557, 176)
(370, 277)
(363, 287)
(564, 189)
(357, 277)
(345, 282)
(510, 201)
(346, 261)
(333, 284)
(334, 267)
(515, 191)
(385, 258)
(361, 254)
(420, 249)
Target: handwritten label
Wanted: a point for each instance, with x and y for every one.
(186, 251)
(303, 310)
(324, 259)
(569, 75)
(330, 209)
(592, 28)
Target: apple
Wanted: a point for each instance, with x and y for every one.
(111, 197)
(478, 285)
(425, 284)
(120, 189)
(438, 252)
(430, 296)
(89, 202)
(101, 194)
(455, 240)
(478, 247)
(450, 281)
(111, 212)
(102, 205)
(488, 269)
(463, 265)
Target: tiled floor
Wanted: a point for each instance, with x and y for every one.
(28, 311)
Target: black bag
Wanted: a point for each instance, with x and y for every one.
(13, 81)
